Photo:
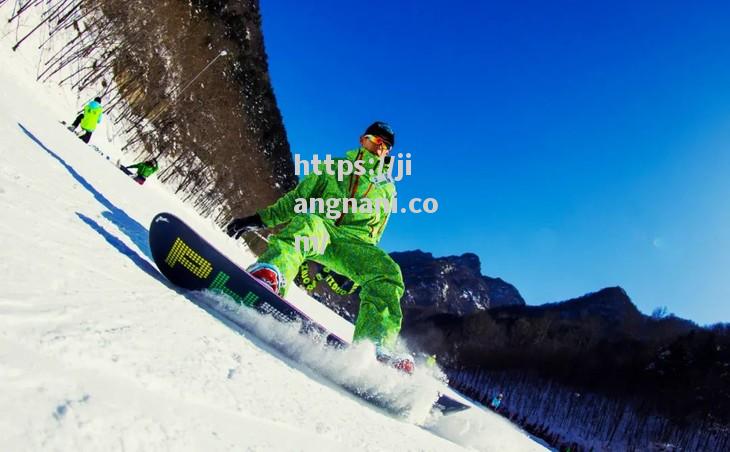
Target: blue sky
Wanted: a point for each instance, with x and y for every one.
(572, 145)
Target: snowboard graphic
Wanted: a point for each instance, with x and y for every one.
(190, 262)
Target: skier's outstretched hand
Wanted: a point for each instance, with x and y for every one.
(240, 226)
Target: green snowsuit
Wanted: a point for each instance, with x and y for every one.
(349, 241)
(144, 169)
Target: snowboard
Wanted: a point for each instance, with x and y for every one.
(188, 261)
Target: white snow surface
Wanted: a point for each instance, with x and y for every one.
(99, 352)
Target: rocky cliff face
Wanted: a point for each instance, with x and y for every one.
(451, 284)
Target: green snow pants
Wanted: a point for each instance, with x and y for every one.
(380, 279)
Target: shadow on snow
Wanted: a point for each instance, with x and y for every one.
(128, 225)
(140, 237)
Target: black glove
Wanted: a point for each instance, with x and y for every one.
(240, 226)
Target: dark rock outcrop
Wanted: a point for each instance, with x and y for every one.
(451, 284)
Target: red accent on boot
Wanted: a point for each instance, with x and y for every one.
(268, 277)
(404, 365)
(402, 362)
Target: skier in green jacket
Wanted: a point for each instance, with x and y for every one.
(144, 170)
(340, 238)
(88, 119)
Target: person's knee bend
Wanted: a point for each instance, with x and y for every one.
(392, 269)
(387, 286)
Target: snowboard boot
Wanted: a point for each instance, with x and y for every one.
(268, 275)
(401, 361)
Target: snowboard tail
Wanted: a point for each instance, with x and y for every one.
(190, 262)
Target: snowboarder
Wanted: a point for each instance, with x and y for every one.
(431, 360)
(88, 119)
(350, 240)
(497, 401)
(144, 170)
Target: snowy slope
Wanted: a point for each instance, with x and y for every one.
(98, 352)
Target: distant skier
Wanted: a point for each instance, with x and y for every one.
(347, 243)
(431, 360)
(144, 170)
(88, 119)
(497, 401)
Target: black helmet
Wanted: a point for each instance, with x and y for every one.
(97, 99)
(383, 130)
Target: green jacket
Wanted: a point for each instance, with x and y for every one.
(367, 226)
(144, 169)
(92, 116)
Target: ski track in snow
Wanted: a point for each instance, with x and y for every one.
(99, 352)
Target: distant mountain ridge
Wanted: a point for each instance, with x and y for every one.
(605, 315)
(612, 304)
